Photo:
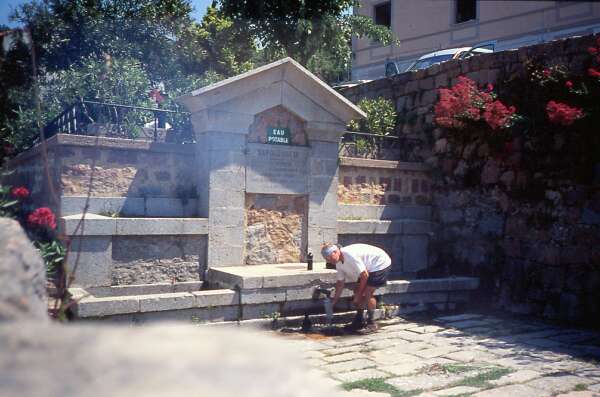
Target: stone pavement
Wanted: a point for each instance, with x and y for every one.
(460, 355)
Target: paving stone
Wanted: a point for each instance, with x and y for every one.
(595, 387)
(469, 356)
(398, 327)
(350, 365)
(513, 391)
(558, 384)
(456, 391)
(415, 347)
(458, 317)
(423, 381)
(361, 374)
(426, 329)
(468, 324)
(382, 344)
(404, 368)
(516, 377)
(409, 336)
(343, 357)
(390, 357)
(585, 393)
(435, 352)
(341, 350)
(364, 393)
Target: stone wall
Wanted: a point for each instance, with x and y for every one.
(156, 259)
(363, 181)
(107, 167)
(275, 228)
(535, 256)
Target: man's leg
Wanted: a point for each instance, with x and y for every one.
(370, 303)
(359, 320)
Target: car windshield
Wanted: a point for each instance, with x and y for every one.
(427, 62)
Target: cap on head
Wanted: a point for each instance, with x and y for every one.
(328, 249)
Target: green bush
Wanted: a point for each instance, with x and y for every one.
(381, 117)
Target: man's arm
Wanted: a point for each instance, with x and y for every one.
(339, 287)
(362, 283)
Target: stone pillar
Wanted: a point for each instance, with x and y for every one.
(323, 186)
(221, 146)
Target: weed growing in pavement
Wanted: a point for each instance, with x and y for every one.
(379, 385)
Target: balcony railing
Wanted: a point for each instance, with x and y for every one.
(378, 147)
(123, 121)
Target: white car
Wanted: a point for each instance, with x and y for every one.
(437, 57)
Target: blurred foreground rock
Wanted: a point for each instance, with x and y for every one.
(22, 275)
(168, 360)
(40, 358)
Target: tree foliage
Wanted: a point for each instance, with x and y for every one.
(316, 33)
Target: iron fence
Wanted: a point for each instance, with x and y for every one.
(379, 147)
(124, 121)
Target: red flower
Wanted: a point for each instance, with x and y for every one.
(562, 114)
(490, 87)
(593, 72)
(592, 50)
(569, 84)
(42, 217)
(462, 102)
(547, 72)
(498, 115)
(19, 193)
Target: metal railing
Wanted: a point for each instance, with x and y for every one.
(124, 121)
(378, 147)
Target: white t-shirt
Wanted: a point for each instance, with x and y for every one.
(360, 257)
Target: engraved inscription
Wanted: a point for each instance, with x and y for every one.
(275, 169)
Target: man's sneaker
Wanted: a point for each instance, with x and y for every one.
(372, 327)
(355, 325)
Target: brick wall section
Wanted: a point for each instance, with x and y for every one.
(365, 181)
(538, 258)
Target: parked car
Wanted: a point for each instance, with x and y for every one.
(437, 57)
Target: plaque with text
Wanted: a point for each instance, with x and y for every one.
(279, 136)
(276, 169)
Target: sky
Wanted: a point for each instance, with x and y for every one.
(6, 7)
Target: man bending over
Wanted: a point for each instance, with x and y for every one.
(364, 264)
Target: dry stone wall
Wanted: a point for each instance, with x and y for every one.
(538, 256)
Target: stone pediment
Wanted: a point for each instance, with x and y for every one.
(284, 82)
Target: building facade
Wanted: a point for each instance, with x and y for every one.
(425, 26)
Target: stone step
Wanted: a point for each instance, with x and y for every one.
(248, 301)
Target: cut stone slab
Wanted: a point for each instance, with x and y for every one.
(585, 393)
(160, 302)
(516, 377)
(513, 391)
(458, 317)
(353, 376)
(347, 366)
(456, 391)
(559, 384)
(404, 368)
(467, 356)
(468, 324)
(344, 357)
(390, 357)
(435, 352)
(423, 381)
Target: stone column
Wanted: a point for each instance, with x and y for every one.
(221, 146)
(323, 186)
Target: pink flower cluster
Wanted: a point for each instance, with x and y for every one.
(42, 217)
(498, 115)
(464, 101)
(594, 51)
(19, 193)
(562, 114)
